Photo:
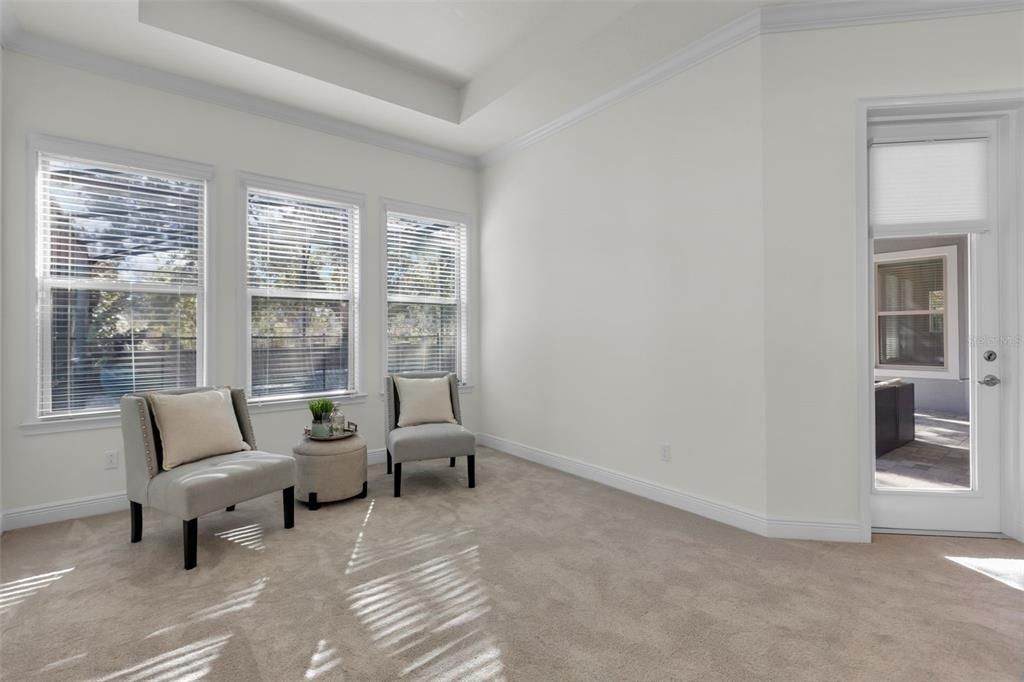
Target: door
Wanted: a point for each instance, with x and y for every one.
(937, 430)
(933, 210)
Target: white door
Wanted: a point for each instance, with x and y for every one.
(948, 477)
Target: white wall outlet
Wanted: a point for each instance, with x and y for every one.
(666, 452)
(111, 459)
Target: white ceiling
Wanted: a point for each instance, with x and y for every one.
(455, 40)
(463, 76)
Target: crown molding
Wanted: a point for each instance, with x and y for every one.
(766, 20)
(55, 52)
(842, 13)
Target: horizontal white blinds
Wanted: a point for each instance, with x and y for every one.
(302, 268)
(912, 312)
(929, 182)
(427, 291)
(425, 258)
(120, 282)
(103, 222)
(912, 286)
(299, 243)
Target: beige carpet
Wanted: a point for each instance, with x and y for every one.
(535, 575)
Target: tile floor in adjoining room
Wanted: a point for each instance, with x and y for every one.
(939, 457)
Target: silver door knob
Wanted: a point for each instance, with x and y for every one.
(990, 380)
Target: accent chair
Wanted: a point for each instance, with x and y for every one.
(195, 488)
(427, 441)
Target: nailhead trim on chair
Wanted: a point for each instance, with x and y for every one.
(147, 437)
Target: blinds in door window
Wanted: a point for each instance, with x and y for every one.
(426, 294)
(912, 313)
(929, 182)
(120, 282)
(302, 275)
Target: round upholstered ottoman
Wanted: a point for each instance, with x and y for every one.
(330, 470)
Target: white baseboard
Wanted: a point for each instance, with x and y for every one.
(744, 519)
(37, 515)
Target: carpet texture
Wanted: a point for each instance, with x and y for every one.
(534, 575)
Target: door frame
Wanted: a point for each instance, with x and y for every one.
(1008, 106)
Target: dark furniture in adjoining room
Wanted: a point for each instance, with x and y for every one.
(894, 415)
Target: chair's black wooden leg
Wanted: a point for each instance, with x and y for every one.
(313, 504)
(362, 495)
(471, 460)
(398, 479)
(190, 533)
(451, 461)
(288, 494)
(389, 461)
(231, 508)
(136, 521)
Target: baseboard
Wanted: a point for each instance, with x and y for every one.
(37, 515)
(716, 511)
(738, 517)
(827, 531)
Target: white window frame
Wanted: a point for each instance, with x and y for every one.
(40, 144)
(951, 310)
(256, 182)
(466, 353)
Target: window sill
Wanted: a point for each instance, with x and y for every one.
(286, 404)
(70, 424)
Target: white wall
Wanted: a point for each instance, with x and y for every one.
(41, 97)
(622, 265)
(629, 260)
(812, 81)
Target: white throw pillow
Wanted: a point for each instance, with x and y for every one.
(424, 401)
(194, 426)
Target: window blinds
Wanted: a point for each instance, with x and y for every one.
(912, 313)
(427, 295)
(301, 277)
(929, 182)
(120, 281)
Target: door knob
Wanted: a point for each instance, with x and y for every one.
(990, 380)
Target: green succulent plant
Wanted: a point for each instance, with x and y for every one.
(321, 408)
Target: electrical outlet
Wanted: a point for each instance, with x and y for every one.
(666, 452)
(111, 459)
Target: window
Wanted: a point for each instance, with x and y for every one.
(427, 292)
(303, 277)
(916, 310)
(120, 281)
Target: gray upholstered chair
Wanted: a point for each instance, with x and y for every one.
(427, 441)
(190, 490)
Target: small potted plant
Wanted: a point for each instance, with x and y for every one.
(321, 409)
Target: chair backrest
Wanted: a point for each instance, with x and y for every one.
(143, 455)
(394, 406)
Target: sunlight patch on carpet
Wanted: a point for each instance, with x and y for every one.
(184, 664)
(432, 611)
(250, 537)
(16, 591)
(323, 660)
(1007, 571)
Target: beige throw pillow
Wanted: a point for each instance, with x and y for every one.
(424, 401)
(194, 426)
